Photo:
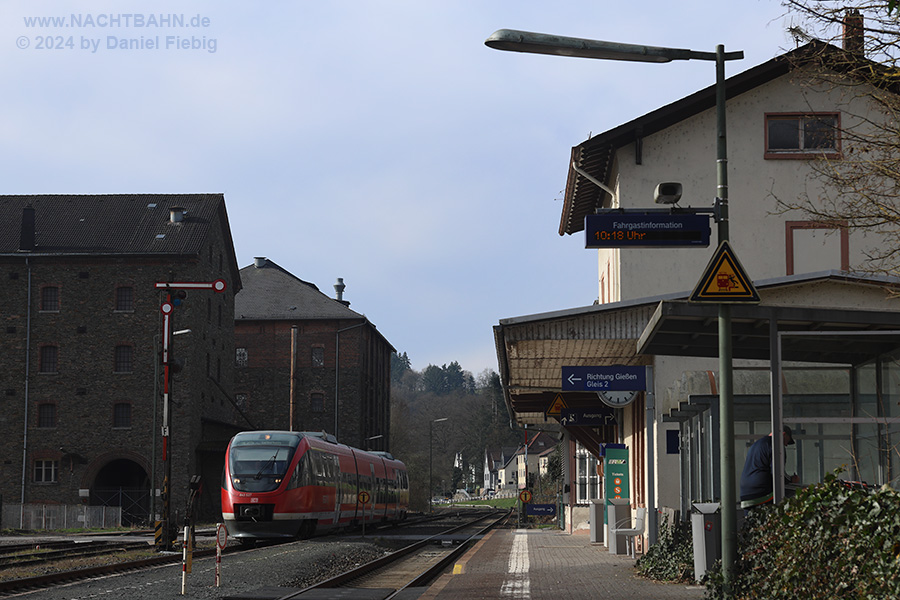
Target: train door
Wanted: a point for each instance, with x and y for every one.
(373, 492)
(337, 483)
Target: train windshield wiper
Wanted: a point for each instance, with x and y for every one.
(268, 464)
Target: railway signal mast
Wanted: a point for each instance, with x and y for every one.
(176, 292)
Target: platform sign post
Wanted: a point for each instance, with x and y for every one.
(185, 558)
(363, 498)
(221, 541)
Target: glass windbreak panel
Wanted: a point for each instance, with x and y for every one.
(892, 477)
(695, 459)
(866, 390)
(890, 405)
(866, 459)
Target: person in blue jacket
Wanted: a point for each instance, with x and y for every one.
(756, 478)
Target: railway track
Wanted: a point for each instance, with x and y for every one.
(413, 566)
(50, 555)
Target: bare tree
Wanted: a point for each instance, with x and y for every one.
(852, 51)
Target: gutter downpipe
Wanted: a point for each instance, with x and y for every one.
(337, 366)
(27, 378)
(594, 180)
(650, 408)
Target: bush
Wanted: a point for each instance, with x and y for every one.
(828, 541)
(671, 558)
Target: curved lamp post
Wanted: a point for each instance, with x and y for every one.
(541, 43)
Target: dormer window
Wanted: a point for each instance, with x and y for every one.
(802, 135)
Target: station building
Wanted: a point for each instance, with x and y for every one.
(818, 352)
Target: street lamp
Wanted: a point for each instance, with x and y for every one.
(370, 439)
(431, 457)
(540, 43)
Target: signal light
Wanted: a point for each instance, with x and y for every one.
(178, 297)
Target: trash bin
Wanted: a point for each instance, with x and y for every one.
(619, 513)
(706, 532)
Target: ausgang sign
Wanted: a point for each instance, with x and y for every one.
(599, 379)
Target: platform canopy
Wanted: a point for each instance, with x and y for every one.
(533, 349)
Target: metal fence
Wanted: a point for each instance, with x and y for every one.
(59, 516)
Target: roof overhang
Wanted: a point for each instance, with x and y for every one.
(532, 350)
(841, 336)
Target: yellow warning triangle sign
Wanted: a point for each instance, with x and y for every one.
(557, 406)
(724, 280)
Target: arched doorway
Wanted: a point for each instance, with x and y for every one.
(123, 482)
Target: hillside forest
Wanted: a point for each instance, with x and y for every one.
(476, 419)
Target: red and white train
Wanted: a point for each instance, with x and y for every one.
(293, 484)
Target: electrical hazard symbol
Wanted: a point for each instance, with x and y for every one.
(724, 280)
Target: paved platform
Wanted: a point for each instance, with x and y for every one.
(544, 564)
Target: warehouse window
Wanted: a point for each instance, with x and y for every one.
(240, 357)
(122, 415)
(124, 359)
(45, 471)
(50, 299)
(125, 299)
(49, 359)
(46, 415)
(318, 356)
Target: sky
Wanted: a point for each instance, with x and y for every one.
(377, 141)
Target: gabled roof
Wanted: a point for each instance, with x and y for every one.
(271, 293)
(109, 224)
(133, 225)
(595, 156)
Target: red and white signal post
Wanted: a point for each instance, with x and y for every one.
(167, 308)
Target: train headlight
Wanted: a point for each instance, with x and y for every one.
(236, 481)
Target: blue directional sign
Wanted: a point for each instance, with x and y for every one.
(540, 510)
(598, 416)
(599, 379)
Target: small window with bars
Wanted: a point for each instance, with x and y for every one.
(241, 357)
(124, 361)
(49, 359)
(122, 415)
(46, 415)
(125, 299)
(50, 299)
(318, 356)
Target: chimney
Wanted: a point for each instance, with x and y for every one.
(339, 291)
(176, 214)
(259, 261)
(854, 40)
(26, 238)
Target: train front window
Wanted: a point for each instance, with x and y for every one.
(259, 468)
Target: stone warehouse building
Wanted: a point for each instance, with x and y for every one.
(80, 373)
(305, 361)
